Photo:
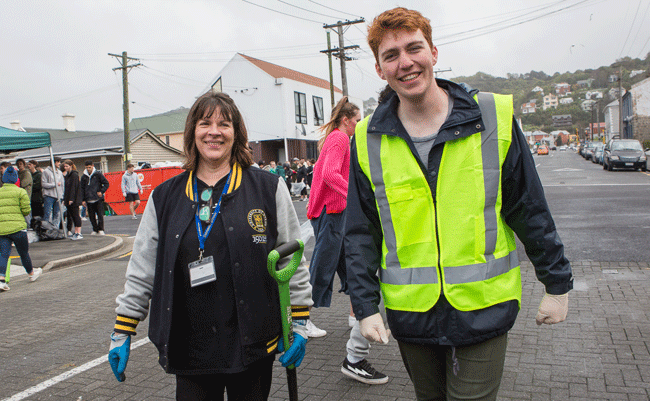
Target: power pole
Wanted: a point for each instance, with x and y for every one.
(329, 57)
(620, 102)
(125, 94)
(340, 51)
(436, 72)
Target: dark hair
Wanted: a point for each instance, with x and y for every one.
(130, 165)
(342, 109)
(5, 164)
(204, 106)
(18, 161)
(34, 162)
(57, 159)
(89, 163)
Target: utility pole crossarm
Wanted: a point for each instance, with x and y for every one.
(341, 50)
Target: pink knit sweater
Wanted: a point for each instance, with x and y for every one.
(329, 185)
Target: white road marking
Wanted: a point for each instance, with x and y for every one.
(64, 376)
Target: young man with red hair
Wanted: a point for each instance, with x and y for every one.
(441, 180)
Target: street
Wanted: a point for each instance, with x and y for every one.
(54, 333)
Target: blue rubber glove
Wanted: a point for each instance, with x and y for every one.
(295, 353)
(118, 355)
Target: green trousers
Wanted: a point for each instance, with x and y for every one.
(478, 367)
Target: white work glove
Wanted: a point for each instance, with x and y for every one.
(553, 309)
(373, 329)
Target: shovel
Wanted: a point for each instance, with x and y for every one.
(282, 277)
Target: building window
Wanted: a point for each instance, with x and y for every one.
(318, 111)
(300, 100)
(167, 140)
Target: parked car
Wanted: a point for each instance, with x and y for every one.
(542, 150)
(598, 153)
(588, 152)
(624, 153)
(563, 148)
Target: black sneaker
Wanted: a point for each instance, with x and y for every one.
(363, 372)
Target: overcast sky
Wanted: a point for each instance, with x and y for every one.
(55, 53)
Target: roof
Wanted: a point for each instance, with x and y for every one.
(104, 144)
(63, 134)
(277, 71)
(170, 121)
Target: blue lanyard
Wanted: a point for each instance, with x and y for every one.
(204, 235)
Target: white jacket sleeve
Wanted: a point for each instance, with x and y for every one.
(134, 301)
(288, 230)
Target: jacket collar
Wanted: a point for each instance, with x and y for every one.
(235, 181)
(465, 110)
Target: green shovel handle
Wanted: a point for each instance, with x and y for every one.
(282, 277)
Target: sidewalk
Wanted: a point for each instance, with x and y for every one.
(65, 252)
(602, 351)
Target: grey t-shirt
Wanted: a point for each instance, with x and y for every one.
(424, 144)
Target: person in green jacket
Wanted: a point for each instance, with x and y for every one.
(14, 206)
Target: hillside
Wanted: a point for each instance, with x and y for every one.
(521, 87)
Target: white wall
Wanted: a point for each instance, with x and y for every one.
(269, 110)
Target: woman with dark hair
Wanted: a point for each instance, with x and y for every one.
(72, 198)
(200, 258)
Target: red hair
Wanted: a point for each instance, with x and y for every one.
(397, 19)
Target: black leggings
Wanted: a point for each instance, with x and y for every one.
(73, 216)
(253, 384)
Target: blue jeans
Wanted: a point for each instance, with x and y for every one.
(50, 205)
(328, 257)
(22, 246)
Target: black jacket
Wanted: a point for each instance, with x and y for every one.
(92, 184)
(72, 189)
(255, 221)
(524, 209)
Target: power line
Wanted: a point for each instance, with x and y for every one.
(630, 31)
(645, 13)
(309, 11)
(58, 102)
(330, 8)
(280, 12)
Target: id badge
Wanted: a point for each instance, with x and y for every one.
(202, 271)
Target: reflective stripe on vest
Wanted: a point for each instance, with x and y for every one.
(469, 187)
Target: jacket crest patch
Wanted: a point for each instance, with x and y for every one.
(257, 220)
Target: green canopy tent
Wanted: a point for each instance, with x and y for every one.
(16, 141)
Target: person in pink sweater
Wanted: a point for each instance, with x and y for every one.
(326, 211)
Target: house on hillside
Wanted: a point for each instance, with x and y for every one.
(528, 108)
(634, 73)
(612, 123)
(636, 112)
(562, 120)
(587, 105)
(283, 109)
(550, 100)
(562, 89)
(538, 89)
(168, 126)
(593, 95)
(585, 83)
(105, 149)
(566, 100)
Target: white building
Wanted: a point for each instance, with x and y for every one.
(282, 108)
(612, 123)
(566, 100)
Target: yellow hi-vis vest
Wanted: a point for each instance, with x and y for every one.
(460, 239)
